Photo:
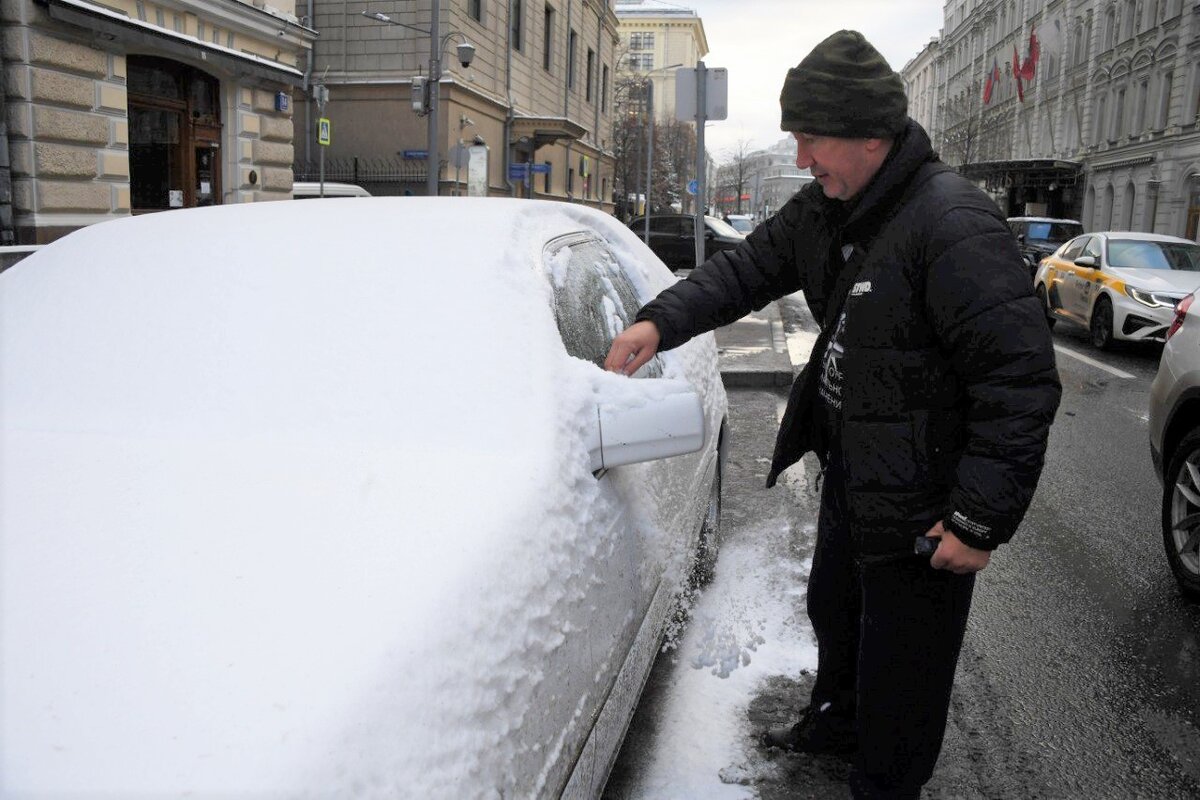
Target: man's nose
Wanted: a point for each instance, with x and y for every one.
(803, 159)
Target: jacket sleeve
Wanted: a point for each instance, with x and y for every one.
(980, 300)
(733, 282)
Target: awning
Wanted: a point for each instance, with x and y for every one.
(108, 24)
(542, 131)
(1036, 173)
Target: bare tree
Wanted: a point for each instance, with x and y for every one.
(961, 129)
(737, 176)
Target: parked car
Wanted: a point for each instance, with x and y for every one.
(673, 238)
(742, 223)
(356, 513)
(1175, 445)
(310, 190)
(1120, 285)
(1038, 237)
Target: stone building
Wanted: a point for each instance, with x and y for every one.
(538, 92)
(1081, 108)
(655, 37)
(136, 106)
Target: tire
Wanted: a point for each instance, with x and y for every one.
(1101, 325)
(1181, 514)
(710, 535)
(1040, 292)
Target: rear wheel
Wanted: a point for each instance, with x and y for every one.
(1045, 302)
(1181, 514)
(1102, 324)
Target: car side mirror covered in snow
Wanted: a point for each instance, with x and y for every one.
(660, 419)
(1086, 261)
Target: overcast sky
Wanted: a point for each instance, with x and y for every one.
(758, 41)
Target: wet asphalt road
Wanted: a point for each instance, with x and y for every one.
(1080, 676)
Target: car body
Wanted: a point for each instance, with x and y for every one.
(356, 514)
(1038, 237)
(1120, 285)
(12, 253)
(673, 238)
(311, 190)
(1175, 444)
(742, 223)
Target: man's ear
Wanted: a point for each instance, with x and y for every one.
(875, 144)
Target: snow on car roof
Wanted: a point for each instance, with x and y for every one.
(296, 450)
(1142, 237)
(1044, 219)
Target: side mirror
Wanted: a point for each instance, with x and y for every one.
(708, 234)
(645, 420)
(1020, 238)
(1086, 261)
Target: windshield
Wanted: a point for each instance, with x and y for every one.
(741, 224)
(1056, 232)
(1136, 254)
(722, 228)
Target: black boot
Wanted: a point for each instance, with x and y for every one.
(817, 732)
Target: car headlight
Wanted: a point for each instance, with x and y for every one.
(1151, 299)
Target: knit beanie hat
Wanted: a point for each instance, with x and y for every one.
(844, 88)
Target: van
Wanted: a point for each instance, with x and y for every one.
(307, 190)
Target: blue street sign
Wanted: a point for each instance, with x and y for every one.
(540, 169)
(518, 172)
(415, 154)
(693, 186)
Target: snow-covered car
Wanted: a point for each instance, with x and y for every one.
(1120, 285)
(353, 513)
(1175, 444)
(742, 223)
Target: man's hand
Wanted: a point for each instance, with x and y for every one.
(632, 348)
(952, 554)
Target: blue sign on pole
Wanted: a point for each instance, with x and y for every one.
(415, 154)
(540, 169)
(693, 186)
(518, 172)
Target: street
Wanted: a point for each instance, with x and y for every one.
(1080, 675)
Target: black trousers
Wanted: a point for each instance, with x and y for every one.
(888, 637)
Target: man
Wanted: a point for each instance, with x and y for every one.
(928, 399)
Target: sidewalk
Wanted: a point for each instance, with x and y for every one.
(753, 352)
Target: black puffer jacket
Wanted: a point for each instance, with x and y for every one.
(949, 383)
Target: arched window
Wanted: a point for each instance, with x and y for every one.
(1163, 113)
(1099, 131)
(1127, 207)
(174, 135)
(1127, 19)
(1140, 121)
(1192, 231)
(1106, 213)
(1110, 28)
(1117, 130)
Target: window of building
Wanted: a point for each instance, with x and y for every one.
(1127, 203)
(640, 62)
(591, 74)
(1140, 121)
(1098, 123)
(475, 10)
(548, 39)
(546, 178)
(1110, 29)
(572, 44)
(1118, 118)
(570, 181)
(1079, 51)
(604, 89)
(641, 40)
(517, 24)
(174, 135)
(1163, 117)
(1127, 19)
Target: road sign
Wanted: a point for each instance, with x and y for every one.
(539, 169)
(324, 131)
(518, 171)
(418, 155)
(716, 94)
(693, 186)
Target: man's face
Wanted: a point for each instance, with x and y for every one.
(843, 167)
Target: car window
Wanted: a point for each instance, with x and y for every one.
(594, 299)
(1074, 249)
(721, 227)
(1136, 254)
(1093, 248)
(668, 225)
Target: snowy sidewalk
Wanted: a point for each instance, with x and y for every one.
(753, 352)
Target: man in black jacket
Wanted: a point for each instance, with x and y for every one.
(928, 399)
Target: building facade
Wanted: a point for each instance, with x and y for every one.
(135, 106)
(1080, 108)
(538, 92)
(655, 38)
(921, 85)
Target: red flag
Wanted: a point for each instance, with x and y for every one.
(990, 84)
(1016, 68)
(1035, 50)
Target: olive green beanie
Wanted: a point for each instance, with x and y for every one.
(845, 88)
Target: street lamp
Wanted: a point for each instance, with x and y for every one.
(466, 54)
(649, 84)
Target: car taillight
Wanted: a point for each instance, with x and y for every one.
(1181, 310)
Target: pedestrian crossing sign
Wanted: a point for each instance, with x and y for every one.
(324, 133)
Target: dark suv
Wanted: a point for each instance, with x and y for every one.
(1038, 237)
(673, 238)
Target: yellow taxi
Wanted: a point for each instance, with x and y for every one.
(1120, 285)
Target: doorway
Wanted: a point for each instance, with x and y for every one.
(174, 135)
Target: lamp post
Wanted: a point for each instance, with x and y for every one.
(649, 84)
(466, 52)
